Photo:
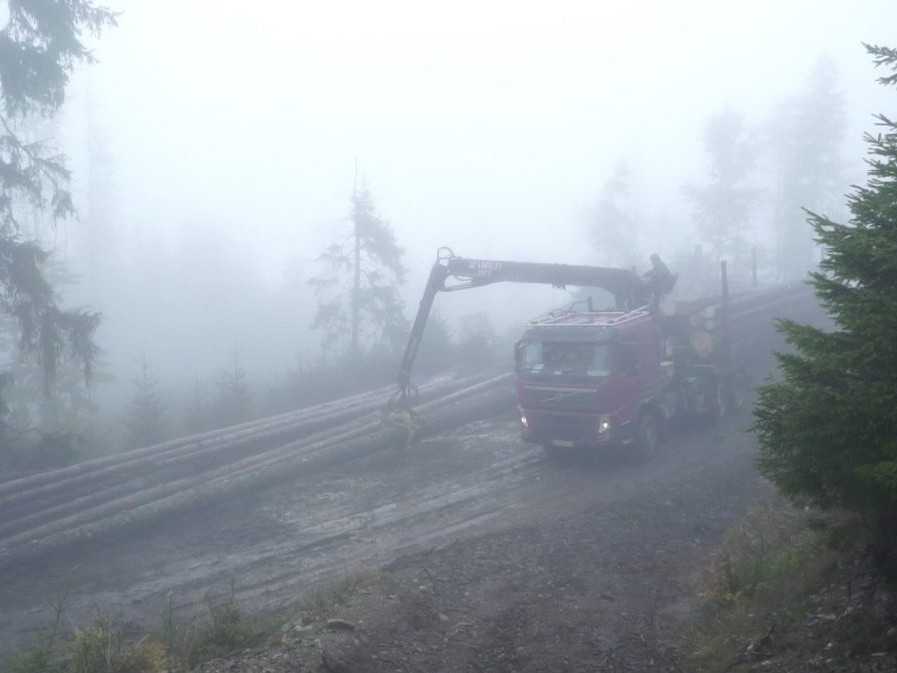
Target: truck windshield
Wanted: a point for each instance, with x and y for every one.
(565, 357)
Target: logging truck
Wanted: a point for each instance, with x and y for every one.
(614, 376)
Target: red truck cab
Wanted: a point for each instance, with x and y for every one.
(591, 379)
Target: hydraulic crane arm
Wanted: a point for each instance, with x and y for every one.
(626, 286)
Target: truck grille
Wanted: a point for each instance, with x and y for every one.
(573, 428)
(563, 399)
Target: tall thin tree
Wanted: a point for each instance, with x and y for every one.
(358, 287)
(40, 45)
(357, 224)
(722, 207)
(146, 416)
(806, 135)
(613, 228)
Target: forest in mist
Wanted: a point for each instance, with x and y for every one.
(222, 177)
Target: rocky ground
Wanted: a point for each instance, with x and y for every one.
(605, 588)
(469, 552)
(582, 564)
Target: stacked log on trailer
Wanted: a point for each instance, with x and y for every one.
(747, 321)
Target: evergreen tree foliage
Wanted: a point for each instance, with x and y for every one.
(46, 420)
(828, 429)
(234, 404)
(477, 341)
(197, 417)
(146, 416)
(437, 349)
(358, 290)
(806, 137)
(722, 208)
(39, 48)
(613, 231)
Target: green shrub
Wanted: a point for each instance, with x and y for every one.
(102, 648)
(35, 660)
(763, 554)
(763, 575)
(227, 630)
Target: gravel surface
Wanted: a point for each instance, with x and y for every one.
(597, 568)
(492, 555)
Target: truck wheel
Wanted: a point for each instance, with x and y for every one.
(647, 437)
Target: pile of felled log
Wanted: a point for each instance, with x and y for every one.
(83, 503)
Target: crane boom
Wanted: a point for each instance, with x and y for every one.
(626, 286)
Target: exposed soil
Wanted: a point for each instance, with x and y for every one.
(848, 625)
(599, 572)
(493, 556)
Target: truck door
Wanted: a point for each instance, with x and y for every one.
(628, 375)
(650, 354)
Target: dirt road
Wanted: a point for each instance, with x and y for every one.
(637, 531)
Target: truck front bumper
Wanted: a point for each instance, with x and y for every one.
(572, 430)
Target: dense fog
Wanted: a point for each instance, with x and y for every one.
(215, 149)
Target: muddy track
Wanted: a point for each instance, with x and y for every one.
(351, 516)
(287, 516)
(85, 518)
(196, 452)
(48, 502)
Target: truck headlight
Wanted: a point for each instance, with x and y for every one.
(523, 420)
(603, 425)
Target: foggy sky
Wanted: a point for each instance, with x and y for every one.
(463, 116)
(486, 126)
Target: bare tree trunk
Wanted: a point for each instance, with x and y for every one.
(356, 286)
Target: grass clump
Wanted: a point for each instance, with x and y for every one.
(227, 630)
(758, 583)
(107, 647)
(35, 660)
(327, 602)
(103, 648)
(769, 557)
(99, 648)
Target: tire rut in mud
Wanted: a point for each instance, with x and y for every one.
(279, 544)
(82, 518)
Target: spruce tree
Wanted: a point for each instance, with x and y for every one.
(613, 231)
(477, 341)
(146, 422)
(828, 428)
(437, 348)
(806, 137)
(197, 417)
(358, 289)
(234, 396)
(722, 207)
(40, 45)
